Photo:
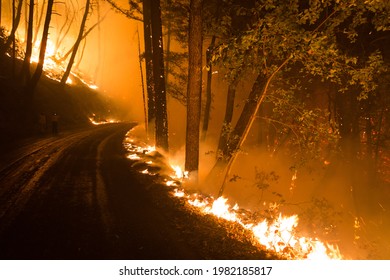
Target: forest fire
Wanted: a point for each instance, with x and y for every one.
(54, 66)
(49, 64)
(99, 121)
(292, 133)
(279, 235)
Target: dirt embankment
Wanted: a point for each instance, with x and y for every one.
(19, 116)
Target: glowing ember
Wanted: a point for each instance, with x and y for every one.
(94, 121)
(170, 183)
(93, 87)
(133, 157)
(179, 193)
(198, 203)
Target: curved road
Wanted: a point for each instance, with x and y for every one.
(75, 196)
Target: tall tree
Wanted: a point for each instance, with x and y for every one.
(147, 23)
(38, 20)
(194, 89)
(209, 96)
(39, 69)
(159, 77)
(27, 57)
(168, 43)
(77, 43)
(215, 10)
(227, 121)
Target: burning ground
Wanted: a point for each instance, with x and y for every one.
(278, 235)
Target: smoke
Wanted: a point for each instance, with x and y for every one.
(331, 205)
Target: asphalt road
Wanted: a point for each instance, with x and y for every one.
(73, 197)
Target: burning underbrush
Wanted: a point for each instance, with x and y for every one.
(277, 234)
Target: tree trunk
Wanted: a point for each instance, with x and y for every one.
(227, 122)
(25, 74)
(168, 48)
(85, 34)
(39, 21)
(99, 44)
(207, 109)
(15, 23)
(194, 89)
(250, 106)
(77, 44)
(149, 64)
(38, 71)
(159, 78)
(144, 97)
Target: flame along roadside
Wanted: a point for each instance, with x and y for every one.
(278, 235)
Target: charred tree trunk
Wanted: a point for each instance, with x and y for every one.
(38, 71)
(13, 39)
(168, 48)
(25, 74)
(77, 44)
(159, 78)
(99, 44)
(144, 97)
(244, 124)
(248, 110)
(194, 89)
(149, 62)
(234, 138)
(207, 109)
(227, 122)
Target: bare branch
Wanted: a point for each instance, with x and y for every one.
(128, 13)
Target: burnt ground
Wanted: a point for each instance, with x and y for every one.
(75, 196)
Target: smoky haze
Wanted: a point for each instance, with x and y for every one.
(112, 53)
(322, 195)
(110, 56)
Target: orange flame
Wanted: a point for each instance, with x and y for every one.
(279, 235)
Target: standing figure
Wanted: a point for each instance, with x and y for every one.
(54, 124)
